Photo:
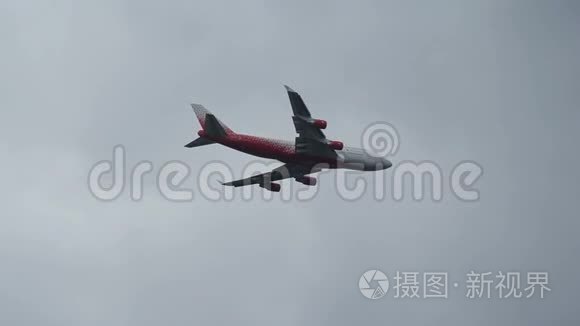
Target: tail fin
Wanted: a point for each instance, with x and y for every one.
(209, 123)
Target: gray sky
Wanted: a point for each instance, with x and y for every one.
(491, 81)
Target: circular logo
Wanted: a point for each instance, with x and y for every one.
(380, 139)
(373, 284)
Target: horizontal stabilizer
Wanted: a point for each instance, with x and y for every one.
(199, 142)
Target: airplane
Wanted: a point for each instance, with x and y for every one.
(310, 152)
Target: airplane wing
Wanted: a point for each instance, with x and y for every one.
(265, 179)
(311, 140)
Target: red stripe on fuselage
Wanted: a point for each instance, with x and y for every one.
(258, 146)
(280, 150)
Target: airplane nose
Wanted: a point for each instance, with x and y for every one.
(377, 164)
(387, 164)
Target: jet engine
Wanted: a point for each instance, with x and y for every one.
(309, 181)
(318, 123)
(336, 145)
(275, 187)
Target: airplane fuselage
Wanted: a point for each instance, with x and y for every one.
(284, 151)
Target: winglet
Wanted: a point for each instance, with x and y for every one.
(288, 89)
